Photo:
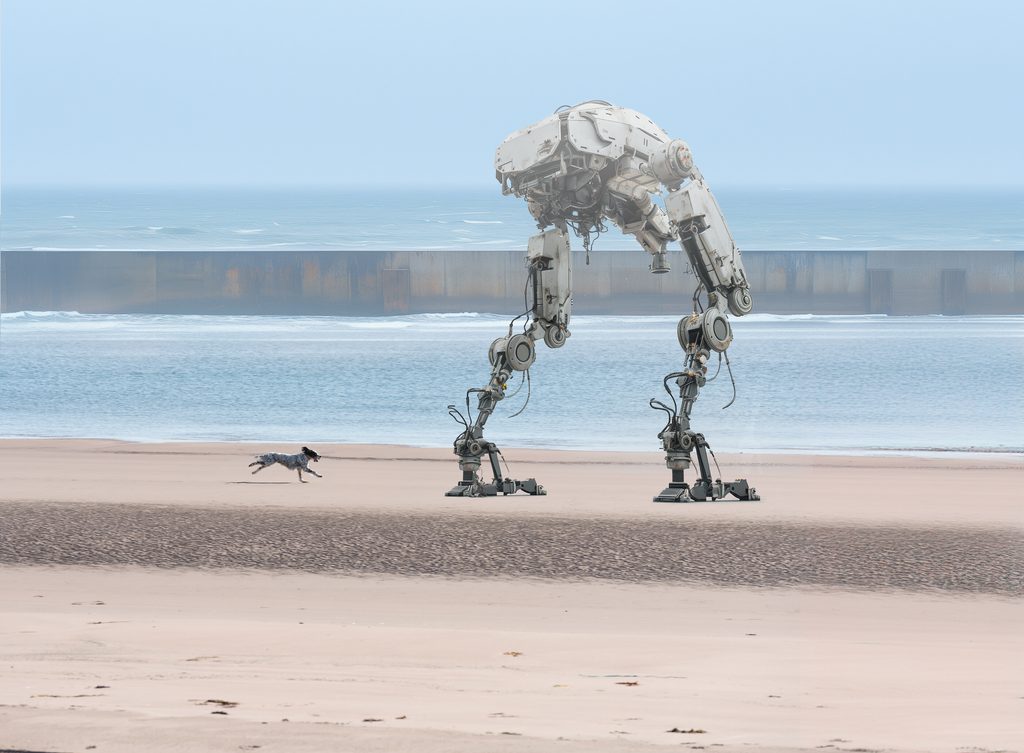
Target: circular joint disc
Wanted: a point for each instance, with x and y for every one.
(498, 346)
(684, 329)
(520, 352)
(740, 302)
(717, 330)
(554, 337)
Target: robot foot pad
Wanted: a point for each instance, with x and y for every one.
(506, 486)
(704, 492)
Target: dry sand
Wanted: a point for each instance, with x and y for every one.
(158, 597)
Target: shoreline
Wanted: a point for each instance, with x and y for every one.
(538, 453)
(964, 453)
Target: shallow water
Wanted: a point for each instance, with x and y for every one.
(822, 383)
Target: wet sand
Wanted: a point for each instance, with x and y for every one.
(728, 553)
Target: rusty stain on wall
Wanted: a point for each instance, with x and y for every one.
(232, 284)
(311, 278)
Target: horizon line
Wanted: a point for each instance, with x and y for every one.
(480, 186)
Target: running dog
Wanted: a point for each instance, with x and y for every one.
(297, 462)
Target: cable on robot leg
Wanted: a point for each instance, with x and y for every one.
(718, 369)
(729, 367)
(712, 454)
(518, 389)
(529, 391)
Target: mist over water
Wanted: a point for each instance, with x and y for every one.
(820, 383)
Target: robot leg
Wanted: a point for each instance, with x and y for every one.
(698, 335)
(550, 272)
(507, 354)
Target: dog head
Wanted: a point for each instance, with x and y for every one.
(310, 454)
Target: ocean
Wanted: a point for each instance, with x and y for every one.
(325, 219)
(860, 384)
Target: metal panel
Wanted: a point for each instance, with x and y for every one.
(528, 147)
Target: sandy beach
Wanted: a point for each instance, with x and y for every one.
(159, 597)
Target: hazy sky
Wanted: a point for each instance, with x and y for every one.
(291, 92)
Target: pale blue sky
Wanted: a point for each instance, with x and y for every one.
(309, 92)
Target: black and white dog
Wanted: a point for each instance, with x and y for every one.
(297, 462)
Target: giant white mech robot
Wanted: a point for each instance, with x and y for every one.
(577, 168)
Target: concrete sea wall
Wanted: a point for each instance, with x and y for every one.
(359, 283)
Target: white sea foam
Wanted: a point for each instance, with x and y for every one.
(40, 315)
(282, 244)
(771, 327)
(484, 222)
(809, 317)
(476, 316)
(82, 248)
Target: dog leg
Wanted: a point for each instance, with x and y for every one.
(301, 480)
(310, 470)
(261, 467)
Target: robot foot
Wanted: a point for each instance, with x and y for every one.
(529, 485)
(703, 491)
(505, 486)
(472, 489)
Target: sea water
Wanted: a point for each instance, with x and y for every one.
(802, 383)
(430, 218)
